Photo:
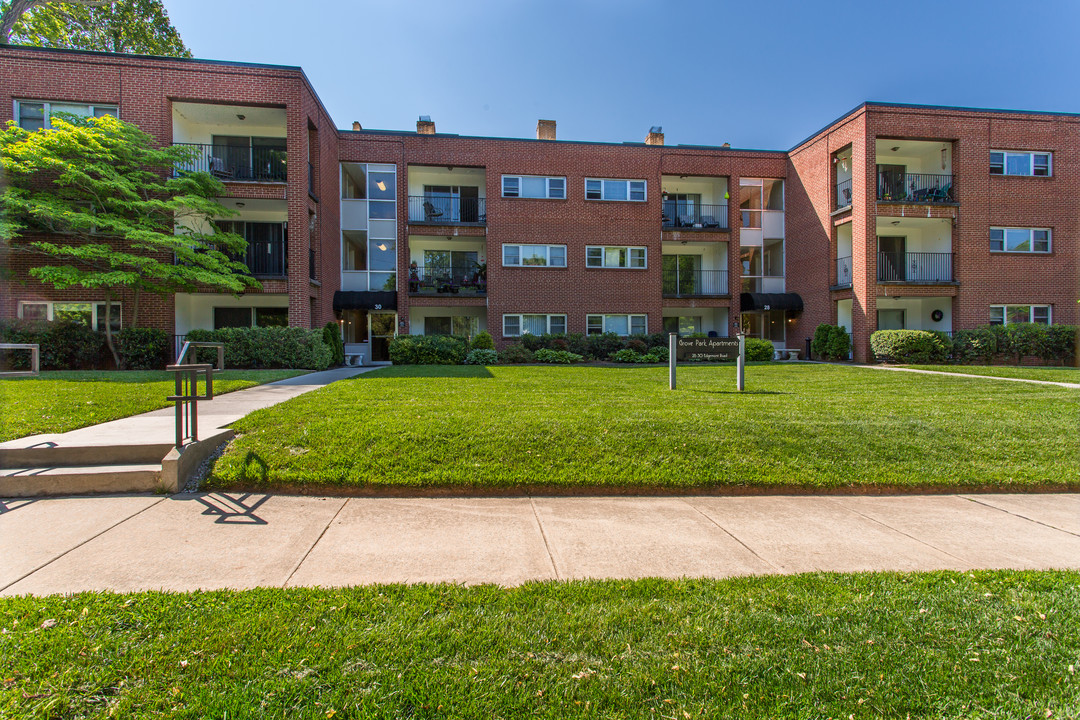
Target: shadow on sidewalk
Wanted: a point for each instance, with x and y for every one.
(233, 510)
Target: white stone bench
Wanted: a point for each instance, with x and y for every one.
(354, 359)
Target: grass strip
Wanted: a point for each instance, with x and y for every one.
(1053, 374)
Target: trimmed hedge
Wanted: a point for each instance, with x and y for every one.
(971, 345)
(143, 348)
(831, 342)
(267, 347)
(428, 350)
(63, 345)
(758, 350)
(483, 341)
(481, 356)
(909, 346)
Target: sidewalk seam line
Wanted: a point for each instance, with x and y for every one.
(1018, 515)
(730, 534)
(543, 536)
(301, 562)
(76, 547)
(901, 532)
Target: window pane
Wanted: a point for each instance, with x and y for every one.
(997, 315)
(1040, 314)
(557, 324)
(1017, 164)
(773, 194)
(34, 311)
(637, 257)
(594, 256)
(594, 324)
(510, 187)
(557, 256)
(115, 323)
(614, 257)
(637, 324)
(689, 325)
(637, 190)
(557, 188)
(511, 325)
(592, 189)
(1042, 165)
(381, 186)
(382, 255)
(1018, 239)
(614, 190)
(31, 116)
(997, 163)
(511, 255)
(1018, 313)
(381, 210)
(79, 312)
(231, 317)
(534, 255)
(618, 324)
(437, 325)
(1042, 241)
(533, 324)
(272, 317)
(997, 239)
(533, 187)
(354, 250)
(103, 110)
(465, 325)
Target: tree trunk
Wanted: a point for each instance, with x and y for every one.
(135, 308)
(108, 331)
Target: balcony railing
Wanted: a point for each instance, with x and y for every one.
(268, 258)
(915, 267)
(843, 271)
(311, 265)
(435, 210)
(226, 162)
(678, 282)
(695, 217)
(843, 194)
(917, 188)
(444, 279)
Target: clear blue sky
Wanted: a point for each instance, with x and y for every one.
(755, 74)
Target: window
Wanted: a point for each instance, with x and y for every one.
(451, 325)
(1036, 164)
(236, 317)
(615, 257)
(532, 186)
(1005, 314)
(618, 324)
(517, 325)
(534, 255)
(88, 313)
(683, 325)
(1004, 239)
(37, 115)
(631, 190)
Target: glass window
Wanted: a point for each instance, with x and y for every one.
(1040, 314)
(77, 311)
(381, 210)
(592, 190)
(614, 190)
(226, 317)
(1017, 164)
(382, 255)
(1041, 241)
(594, 324)
(510, 186)
(353, 181)
(511, 255)
(997, 239)
(615, 257)
(37, 115)
(1020, 240)
(534, 255)
(637, 257)
(511, 325)
(1005, 314)
(354, 326)
(997, 315)
(31, 116)
(637, 324)
(1041, 165)
(634, 190)
(1017, 240)
(557, 255)
(557, 188)
(34, 311)
(534, 324)
(465, 325)
(557, 324)
(637, 190)
(515, 325)
(618, 324)
(997, 163)
(1038, 164)
(441, 325)
(534, 187)
(115, 319)
(272, 317)
(354, 250)
(381, 186)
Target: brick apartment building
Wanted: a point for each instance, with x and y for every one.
(892, 216)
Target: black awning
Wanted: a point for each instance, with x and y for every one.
(367, 300)
(771, 301)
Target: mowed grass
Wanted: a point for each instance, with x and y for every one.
(59, 401)
(797, 425)
(1054, 374)
(942, 645)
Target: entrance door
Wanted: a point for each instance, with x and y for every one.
(891, 182)
(383, 329)
(890, 319)
(470, 204)
(891, 265)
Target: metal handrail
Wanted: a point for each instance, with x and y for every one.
(918, 188)
(35, 359)
(230, 162)
(447, 210)
(682, 214)
(677, 282)
(186, 395)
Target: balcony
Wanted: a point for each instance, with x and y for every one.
(679, 282)
(843, 194)
(843, 271)
(237, 163)
(312, 265)
(915, 188)
(915, 268)
(694, 216)
(447, 210)
(462, 280)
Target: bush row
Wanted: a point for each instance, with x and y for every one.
(831, 342)
(267, 347)
(1055, 344)
(71, 345)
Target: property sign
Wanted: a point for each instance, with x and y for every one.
(707, 349)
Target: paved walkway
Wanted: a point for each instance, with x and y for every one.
(1074, 386)
(157, 427)
(185, 542)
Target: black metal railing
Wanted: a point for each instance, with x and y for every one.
(843, 194)
(311, 265)
(443, 210)
(269, 258)
(680, 282)
(694, 216)
(227, 162)
(843, 271)
(914, 267)
(439, 279)
(311, 179)
(919, 188)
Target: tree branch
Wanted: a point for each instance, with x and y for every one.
(19, 7)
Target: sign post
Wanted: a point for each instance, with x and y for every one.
(673, 341)
(711, 349)
(740, 366)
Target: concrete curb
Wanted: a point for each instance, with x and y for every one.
(178, 466)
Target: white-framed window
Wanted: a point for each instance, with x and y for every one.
(628, 190)
(618, 324)
(1005, 314)
(1011, 239)
(37, 114)
(241, 317)
(608, 256)
(1006, 162)
(516, 325)
(88, 312)
(534, 186)
(534, 255)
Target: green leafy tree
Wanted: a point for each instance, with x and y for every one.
(125, 26)
(99, 206)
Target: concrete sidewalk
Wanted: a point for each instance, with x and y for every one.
(206, 541)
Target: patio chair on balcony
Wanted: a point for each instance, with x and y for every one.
(431, 212)
(685, 221)
(709, 221)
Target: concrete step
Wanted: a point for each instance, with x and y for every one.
(81, 455)
(80, 479)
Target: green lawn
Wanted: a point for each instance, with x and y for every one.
(60, 401)
(942, 645)
(798, 425)
(1056, 374)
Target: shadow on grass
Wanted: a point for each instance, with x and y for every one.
(427, 371)
(736, 392)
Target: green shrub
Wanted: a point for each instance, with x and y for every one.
(482, 356)
(62, 345)
(820, 344)
(561, 357)
(839, 345)
(266, 347)
(971, 345)
(1025, 339)
(482, 341)
(143, 348)
(577, 343)
(602, 346)
(637, 344)
(532, 343)
(659, 354)
(428, 350)
(909, 346)
(332, 337)
(656, 340)
(758, 350)
(1002, 345)
(1061, 343)
(516, 353)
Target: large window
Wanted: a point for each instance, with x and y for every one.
(451, 325)
(534, 255)
(630, 190)
(91, 314)
(1006, 239)
(517, 325)
(236, 317)
(533, 186)
(683, 325)
(618, 324)
(1006, 314)
(1037, 164)
(34, 115)
(615, 257)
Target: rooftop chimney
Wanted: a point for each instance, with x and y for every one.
(655, 136)
(356, 125)
(727, 145)
(545, 129)
(424, 126)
